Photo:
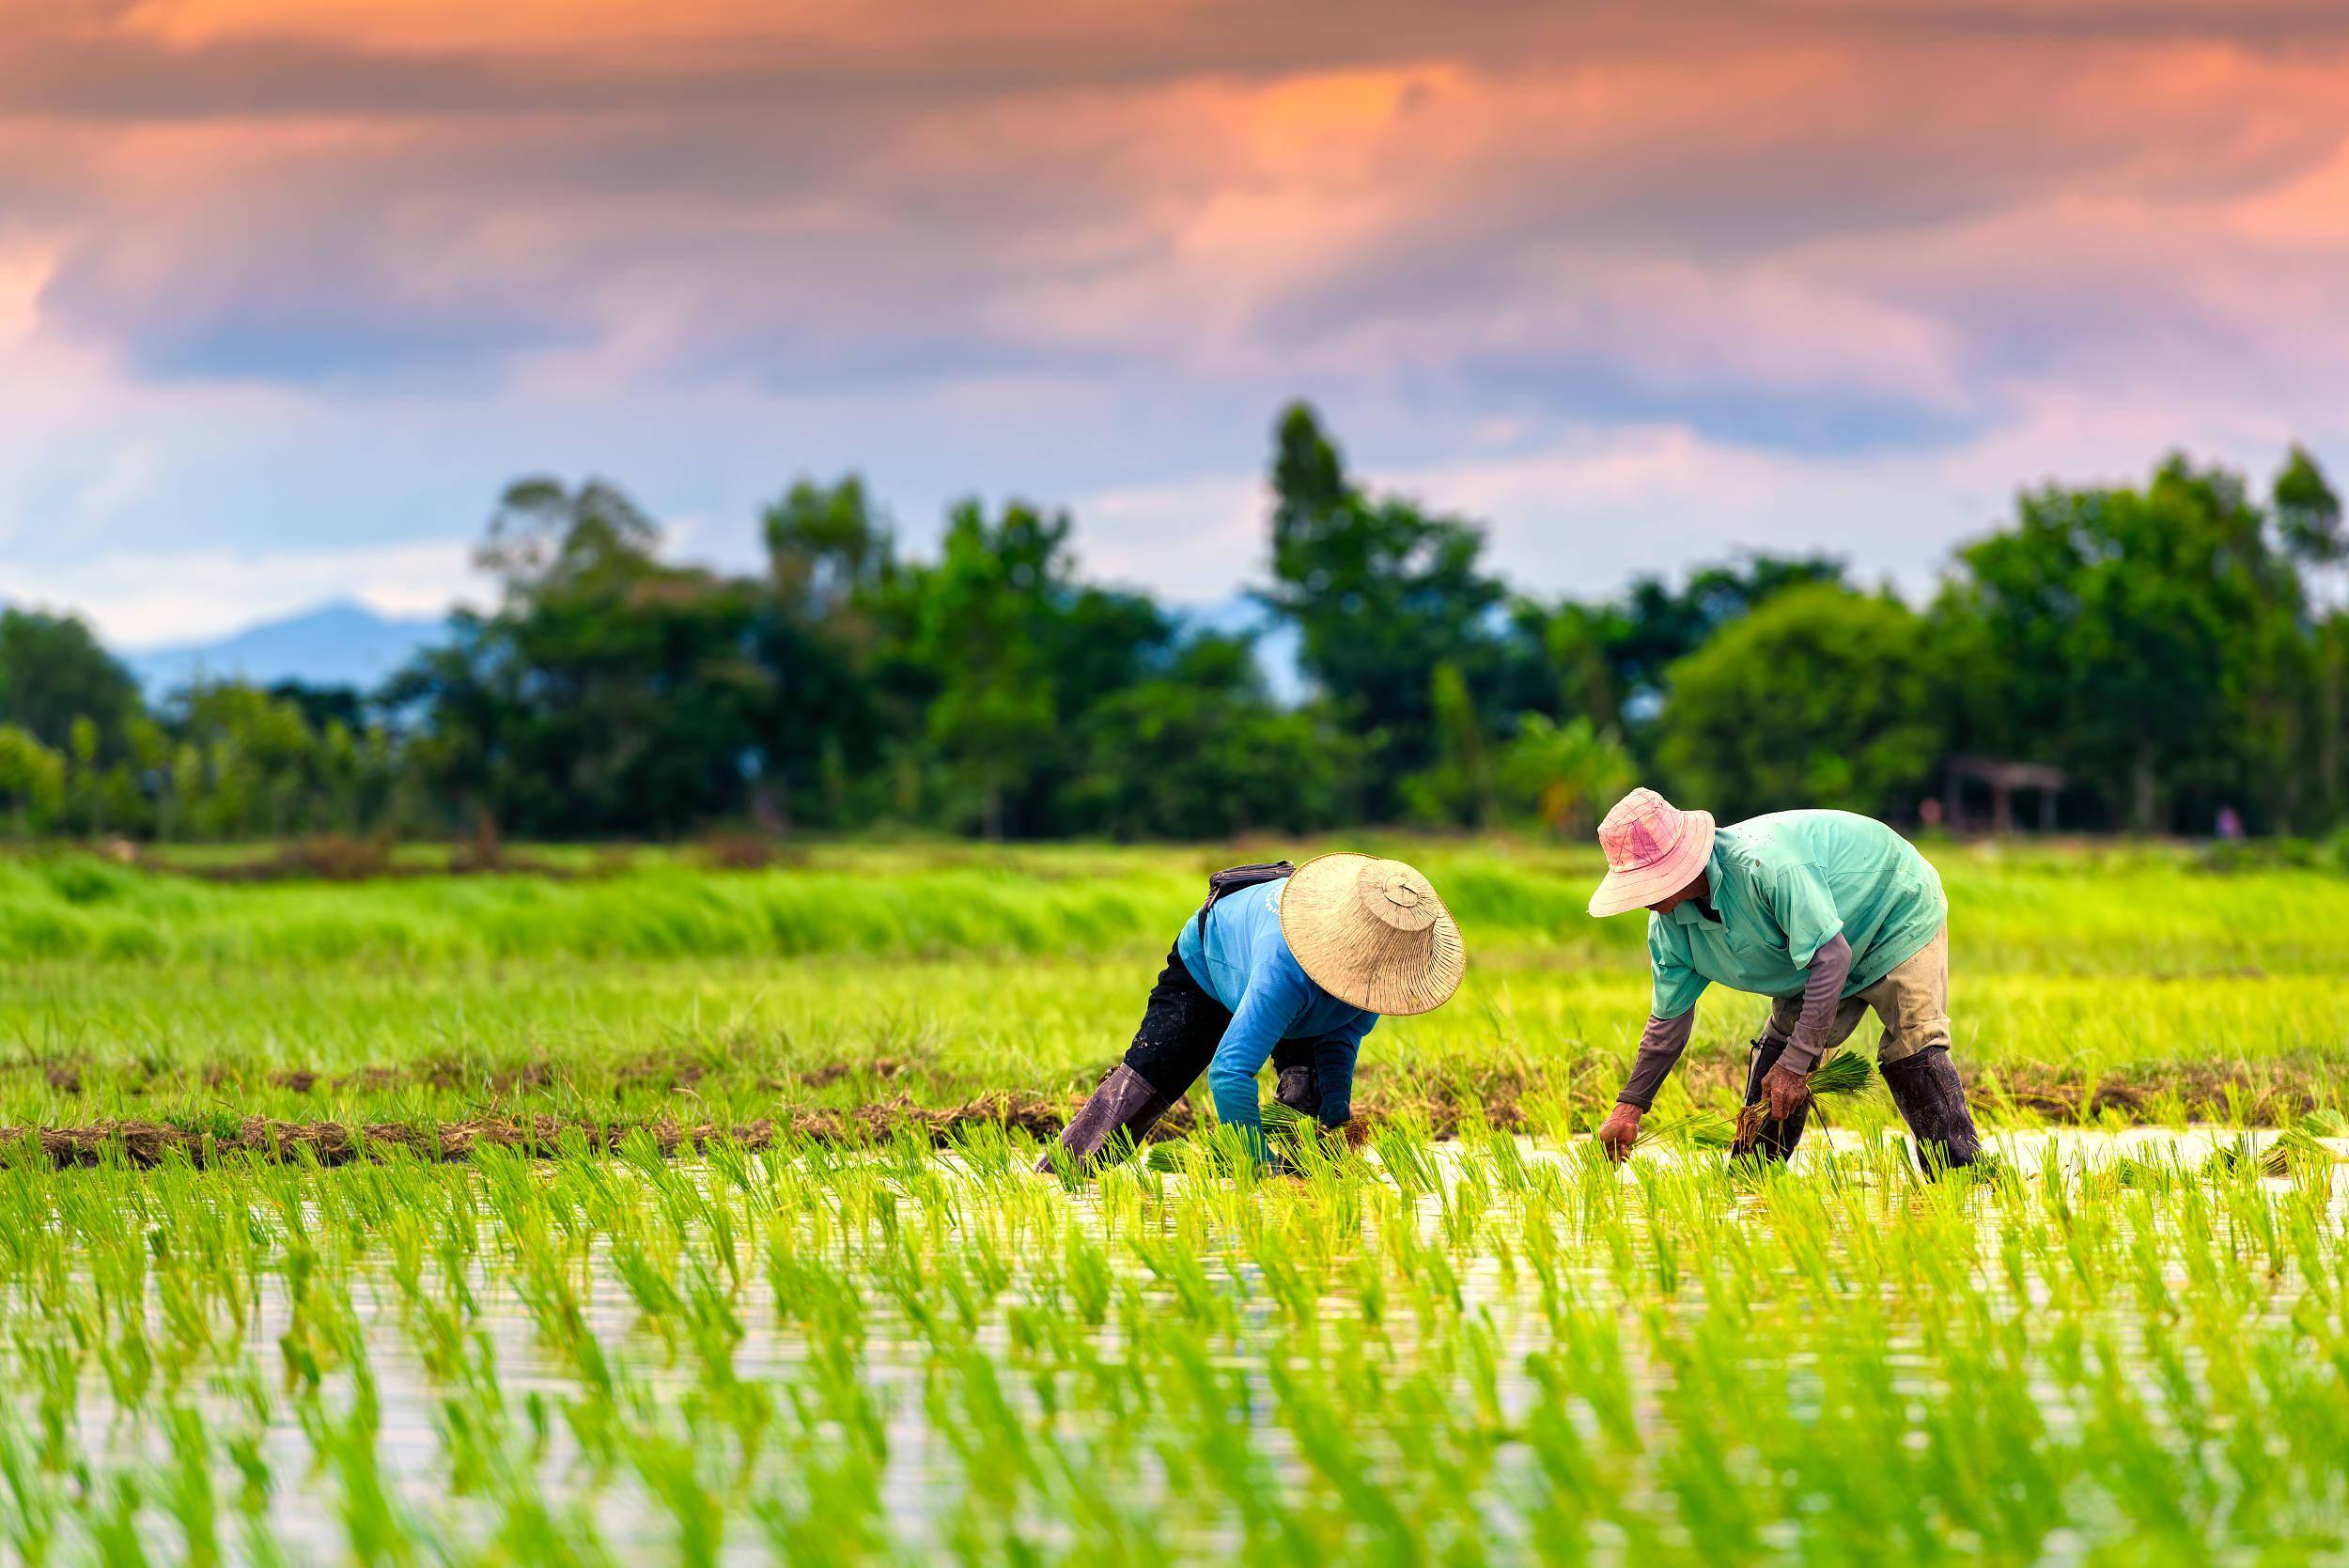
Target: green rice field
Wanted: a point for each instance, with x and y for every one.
(2122, 984)
(638, 1210)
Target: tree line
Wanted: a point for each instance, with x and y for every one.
(2177, 647)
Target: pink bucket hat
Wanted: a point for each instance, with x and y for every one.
(1653, 849)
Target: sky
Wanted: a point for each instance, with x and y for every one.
(291, 288)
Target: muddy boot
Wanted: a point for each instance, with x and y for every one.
(1932, 1102)
(1298, 1091)
(1759, 1136)
(1119, 1115)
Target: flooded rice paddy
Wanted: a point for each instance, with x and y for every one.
(1491, 1350)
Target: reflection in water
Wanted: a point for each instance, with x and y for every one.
(911, 1353)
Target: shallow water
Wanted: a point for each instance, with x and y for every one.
(1419, 1325)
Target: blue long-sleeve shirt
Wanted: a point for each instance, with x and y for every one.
(1245, 963)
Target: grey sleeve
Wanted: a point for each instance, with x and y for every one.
(1660, 1045)
(1822, 992)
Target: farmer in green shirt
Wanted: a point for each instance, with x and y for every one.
(1829, 914)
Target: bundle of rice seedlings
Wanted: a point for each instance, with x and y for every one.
(1285, 1128)
(1706, 1129)
(2295, 1149)
(1281, 1121)
(1164, 1158)
(1840, 1073)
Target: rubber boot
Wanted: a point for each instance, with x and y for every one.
(1763, 1137)
(1298, 1091)
(1932, 1101)
(1124, 1103)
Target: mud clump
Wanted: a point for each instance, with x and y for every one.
(145, 1145)
(882, 1067)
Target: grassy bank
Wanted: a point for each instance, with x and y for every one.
(2131, 983)
(2097, 911)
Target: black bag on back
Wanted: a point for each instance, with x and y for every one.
(1233, 878)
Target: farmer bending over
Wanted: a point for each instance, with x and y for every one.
(1294, 964)
(1828, 913)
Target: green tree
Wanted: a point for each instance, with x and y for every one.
(1563, 776)
(1381, 595)
(53, 671)
(1820, 697)
(1605, 661)
(831, 568)
(2308, 510)
(32, 781)
(2308, 516)
(1456, 789)
(546, 538)
(1009, 651)
(609, 693)
(1202, 752)
(260, 760)
(2151, 641)
(829, 552)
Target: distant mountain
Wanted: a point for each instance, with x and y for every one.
(335, 644)
(346, 644)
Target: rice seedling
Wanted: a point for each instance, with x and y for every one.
(639, 1236)
(865, 1355)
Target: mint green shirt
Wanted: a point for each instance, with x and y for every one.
(1785, 885)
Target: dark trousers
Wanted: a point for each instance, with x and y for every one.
(1181, 1026)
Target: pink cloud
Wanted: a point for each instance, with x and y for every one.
(1809, 248)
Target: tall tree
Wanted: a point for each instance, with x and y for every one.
(545, 538)
(53, 671)
(1382, 594)
(2308, 510)
(2308, 516)
(831, 564)
(1013, 648)
(609, 692)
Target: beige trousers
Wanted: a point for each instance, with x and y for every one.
(1913, 1002)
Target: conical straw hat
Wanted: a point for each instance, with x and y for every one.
(1372, 932)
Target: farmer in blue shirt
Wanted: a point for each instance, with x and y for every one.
(1293, 967)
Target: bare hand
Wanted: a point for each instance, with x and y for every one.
(1619, 1132)
(1784, 1090)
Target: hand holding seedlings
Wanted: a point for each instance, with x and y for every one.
(1619, 1132)
(1785, 1091)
